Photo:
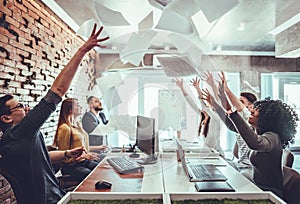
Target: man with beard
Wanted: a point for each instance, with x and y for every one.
(91, 119)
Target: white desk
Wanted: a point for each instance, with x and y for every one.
(165, 176)
(164, 180)
(175, 179)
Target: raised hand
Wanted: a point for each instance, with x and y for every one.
(195, 82)
(93, 40)
(208, 98)
(223, 98)
(178, 82)
(208, 77)
(223, 80)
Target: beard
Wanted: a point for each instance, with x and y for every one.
(98, 109)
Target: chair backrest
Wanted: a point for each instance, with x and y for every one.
(291, 185)
(287, 158)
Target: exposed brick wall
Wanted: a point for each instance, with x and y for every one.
(6, 195)
(34, 46)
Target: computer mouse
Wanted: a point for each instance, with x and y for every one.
(103, 185)
(134, 155)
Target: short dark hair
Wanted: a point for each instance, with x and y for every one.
(4, 109)
(249, 96)
(90, 98)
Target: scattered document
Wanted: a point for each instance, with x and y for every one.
(86, 28)
(177, 66)
(171, 21)
(103, 130)
(111, 98)
(214, 9)
(137, 46)
(147, 22)
(124, 123)
(110, 17)
(184, 8)
(109, 81)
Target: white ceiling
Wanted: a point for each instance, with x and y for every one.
(238, 26)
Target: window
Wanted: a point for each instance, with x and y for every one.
(284, 86)
(141, 94)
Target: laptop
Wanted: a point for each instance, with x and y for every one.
(199, 172)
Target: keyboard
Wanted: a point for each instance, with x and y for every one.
(200, 172)
(124, 165)
(205, 172)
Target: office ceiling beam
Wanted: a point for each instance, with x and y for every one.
(287, 39)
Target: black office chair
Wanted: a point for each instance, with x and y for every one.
(287, 158)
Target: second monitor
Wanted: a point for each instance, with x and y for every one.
(146, 139)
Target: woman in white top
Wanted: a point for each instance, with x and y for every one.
(210, 126)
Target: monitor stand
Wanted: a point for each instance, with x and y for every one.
(150, 159)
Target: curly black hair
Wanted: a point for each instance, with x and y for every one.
(276, 116)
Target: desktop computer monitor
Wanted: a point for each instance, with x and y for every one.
(146, 139)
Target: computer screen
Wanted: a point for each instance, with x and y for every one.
(146, 139)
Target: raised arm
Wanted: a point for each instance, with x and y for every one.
(220, 111)
(232, 98)
(179, 83)
(62, 82)
(208, 77)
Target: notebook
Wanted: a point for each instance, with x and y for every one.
(199, 172)
(213, 186)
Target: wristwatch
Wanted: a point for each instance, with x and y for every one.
(66, 154)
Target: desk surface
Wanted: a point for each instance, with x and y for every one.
(150, 180)
(167, 175)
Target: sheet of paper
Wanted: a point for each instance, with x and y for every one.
(180, 42)
(111, 98)
(124, 123)
(214, 9)
(103, 62)
(86, 28)
(110, 17)
(172, 21)
(109, 81)
(147, 22)
(177, 66)
(103, 130)
(201, 24)
(184, 8)
(137, 46)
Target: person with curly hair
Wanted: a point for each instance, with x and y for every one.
(275, 125)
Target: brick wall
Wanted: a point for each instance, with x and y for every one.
(34, 46)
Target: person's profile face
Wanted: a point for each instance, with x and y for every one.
(17, 111)
(97, 105)
(76, 108)
(245, 102)
(253, 118)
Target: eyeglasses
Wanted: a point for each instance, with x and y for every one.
(19, 106)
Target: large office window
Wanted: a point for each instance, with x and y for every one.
(284, 86)
(150, 93)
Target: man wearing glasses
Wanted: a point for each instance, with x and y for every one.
(24, 159)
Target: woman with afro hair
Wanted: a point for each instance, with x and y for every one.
(274, 124)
